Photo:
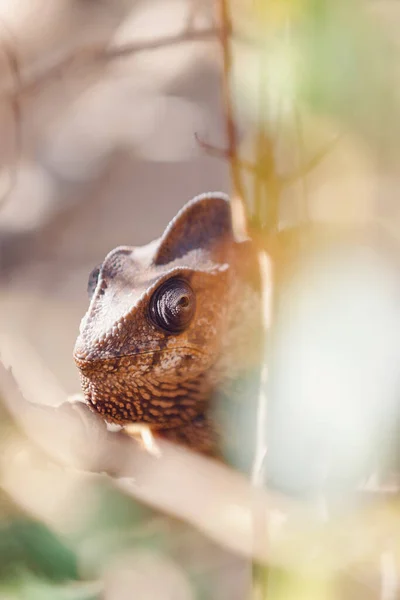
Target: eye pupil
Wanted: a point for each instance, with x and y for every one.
(173, 305)
(184, 302)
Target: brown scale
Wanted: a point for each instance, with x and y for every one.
(155, 342)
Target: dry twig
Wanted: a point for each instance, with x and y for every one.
(12, 59)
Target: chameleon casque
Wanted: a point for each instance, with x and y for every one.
(170, 323)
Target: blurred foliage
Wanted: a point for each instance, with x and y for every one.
(324, 58)
(327, 58)
(108, 527)
(29, 545)
(36, 562)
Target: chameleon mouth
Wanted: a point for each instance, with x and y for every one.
(85, 363)
(157, 404)
(131, 389)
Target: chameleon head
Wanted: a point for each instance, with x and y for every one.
(154, 330)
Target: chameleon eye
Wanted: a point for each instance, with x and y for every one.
(173, 305)
(92, 282)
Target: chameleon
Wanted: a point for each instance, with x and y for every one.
(171, 323)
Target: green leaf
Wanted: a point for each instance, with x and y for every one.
(31, 545)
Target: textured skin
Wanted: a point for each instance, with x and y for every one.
(131, 370)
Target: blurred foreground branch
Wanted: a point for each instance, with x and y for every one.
(74, 437)
(102, 54)
(213, 498)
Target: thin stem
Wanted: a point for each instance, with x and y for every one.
(102, 53)
(304, 212)
(9, 51)
(305, 169)
(225, 155)
(258, 178)
(225, 33)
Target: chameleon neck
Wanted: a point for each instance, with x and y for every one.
(199, 434)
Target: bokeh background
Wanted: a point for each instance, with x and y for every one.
(101, 105)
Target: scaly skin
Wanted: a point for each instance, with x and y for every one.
(133, 370)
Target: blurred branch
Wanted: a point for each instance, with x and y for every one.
(102, 54)
(9, 50)
(188, 35)
(304, 212)
(73, 436)
(309, 166)
(264, 169)
(225, 154)
(225, 39)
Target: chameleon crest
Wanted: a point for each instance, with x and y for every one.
(153, 344)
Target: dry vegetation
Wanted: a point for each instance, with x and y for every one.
(112, 115)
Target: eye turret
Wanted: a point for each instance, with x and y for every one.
(173, 305)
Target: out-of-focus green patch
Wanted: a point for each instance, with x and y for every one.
(26, 544)
(112, 510)
(346, 65)
(36, 563)
(327, 57)
(25, 586)
(114, 525)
